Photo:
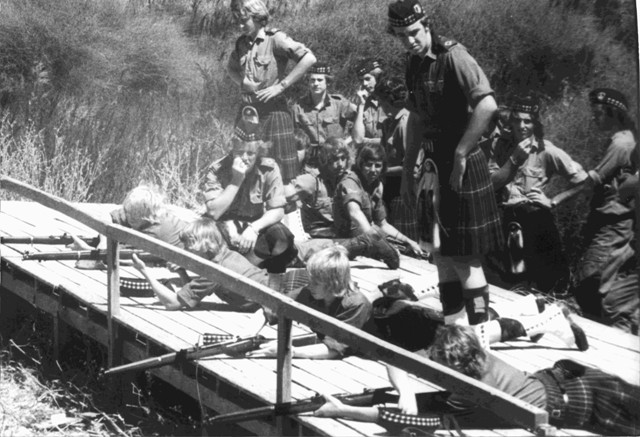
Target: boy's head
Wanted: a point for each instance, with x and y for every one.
(610, 109)
(458, 348)
(329, 273)
(334, 157)
(143, 206)
(203, 238)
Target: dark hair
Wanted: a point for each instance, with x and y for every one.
(370, 152)
(538, 129)
(392, 90)
(621, 116)
(458, 348)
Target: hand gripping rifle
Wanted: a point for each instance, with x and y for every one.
(51, 239)
(368, 397)
(235, 347)
(95, 254)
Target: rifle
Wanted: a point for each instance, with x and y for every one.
(235, 348)
(51, 239)
(95, 254)
(367, 398)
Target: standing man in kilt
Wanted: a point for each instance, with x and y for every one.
(257, 66)
(444, 81)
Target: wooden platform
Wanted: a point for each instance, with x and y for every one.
(79, 298)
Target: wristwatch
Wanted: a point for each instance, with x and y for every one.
(284, 84)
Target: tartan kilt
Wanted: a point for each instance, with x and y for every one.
(470, 218)
(278, 128)
(405, 218)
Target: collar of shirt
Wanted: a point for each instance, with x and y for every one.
(325, 103)
(374, 103)
(260, 36)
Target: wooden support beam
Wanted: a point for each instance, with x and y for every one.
(113, 303)
(283, 378)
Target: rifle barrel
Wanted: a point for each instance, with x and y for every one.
(95, 254)
(51, 239)
(235, 347)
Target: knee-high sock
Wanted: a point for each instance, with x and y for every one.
(476, 301)
(452, 303)
(528, 305)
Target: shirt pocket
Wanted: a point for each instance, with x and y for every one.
(261, 67)
(533, 175)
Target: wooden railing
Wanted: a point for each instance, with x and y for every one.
(508, 407)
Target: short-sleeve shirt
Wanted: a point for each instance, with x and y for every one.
(373, 117)
(197, 289)
(167, 228)
(316, 208)
(545, 161)
(443, 87)
(351, 189)
(608, 173)
(353, 308)
(261, 190)
(262, 61)
(328, 121)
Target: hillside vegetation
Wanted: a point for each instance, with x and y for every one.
(98, 95)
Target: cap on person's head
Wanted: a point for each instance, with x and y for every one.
(247, 131)
(367, 66)
(528, 105)
(608, 96)
(320, 68)
(405, 12)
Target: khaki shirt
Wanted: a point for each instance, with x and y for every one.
(545, 161)
(262, 61)
(261, 190)
(373, 117)
(350, 189)
(328, 121)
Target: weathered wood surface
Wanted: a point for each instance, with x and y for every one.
(610, 349)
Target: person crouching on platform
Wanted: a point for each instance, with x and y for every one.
(244, 192)
(358, 207)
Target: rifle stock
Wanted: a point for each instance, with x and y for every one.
(367, 397)
(51, 239)
(95, 254)
(234, 348)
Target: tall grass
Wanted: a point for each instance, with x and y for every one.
(112, 92)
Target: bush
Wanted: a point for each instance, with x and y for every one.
(133, 90)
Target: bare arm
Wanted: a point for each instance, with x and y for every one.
(401, 382)
(318, 351)
(218, 206)
(393, 232)
(294, 75)
(166, 296)
(358, 217)
(358, 130)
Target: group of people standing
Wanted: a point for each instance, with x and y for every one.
(434, 169)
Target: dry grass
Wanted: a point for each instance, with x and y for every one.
(29, 407)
